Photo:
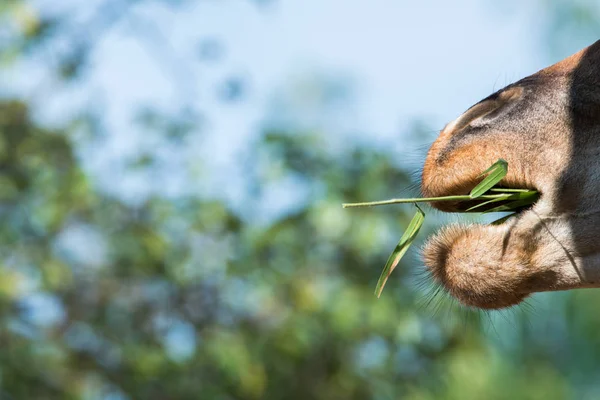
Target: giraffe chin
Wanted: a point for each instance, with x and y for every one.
(470, 264)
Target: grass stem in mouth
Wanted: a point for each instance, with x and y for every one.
(466, 197)
(486, 196)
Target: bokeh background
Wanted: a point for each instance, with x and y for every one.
(171, 174)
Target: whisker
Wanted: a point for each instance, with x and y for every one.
(429, 297)
(450, 307)
(440, 301)
(492, 324)
(528, 309)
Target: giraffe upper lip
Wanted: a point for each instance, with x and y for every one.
(459, 176)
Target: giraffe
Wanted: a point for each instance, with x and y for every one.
(547, 126)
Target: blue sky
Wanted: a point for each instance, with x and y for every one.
(427, 59)
(407, 60)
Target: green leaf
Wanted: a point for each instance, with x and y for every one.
(405, 241)
(413, 200)
(519, 201)
(509, 190)
(500, 221)
(495, 174)
(524, 197)
(512, 206)
(485, 203)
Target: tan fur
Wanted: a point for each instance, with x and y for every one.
(547, 126)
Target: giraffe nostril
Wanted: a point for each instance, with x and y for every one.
(488, 108)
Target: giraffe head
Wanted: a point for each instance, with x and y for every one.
(547, 126)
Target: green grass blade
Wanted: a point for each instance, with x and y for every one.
(405, 241)
(507, 190)
(514, 205)
(527, 197)
(502, 220)
(465, 197)
(485, 203)
(495, 174)
(519, 201)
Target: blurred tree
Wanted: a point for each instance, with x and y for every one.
(178, 297)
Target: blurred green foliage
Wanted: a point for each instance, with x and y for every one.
(188, 297)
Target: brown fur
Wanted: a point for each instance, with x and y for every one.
(547, 126)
